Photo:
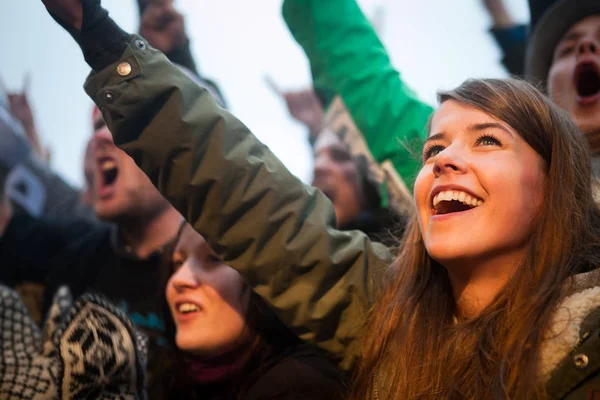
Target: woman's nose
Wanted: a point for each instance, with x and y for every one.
(587, 46)
(449, 161)
(183, 278)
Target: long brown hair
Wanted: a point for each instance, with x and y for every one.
(414, 347)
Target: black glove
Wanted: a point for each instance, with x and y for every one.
(101, 39)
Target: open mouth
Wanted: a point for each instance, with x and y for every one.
(108, 173)
(587, 82)
(453, 201)
(187, 308)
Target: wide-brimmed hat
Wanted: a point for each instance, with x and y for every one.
(548, 29)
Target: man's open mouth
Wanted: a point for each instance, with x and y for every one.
(587, 82)
(454, 201)
(107, 174)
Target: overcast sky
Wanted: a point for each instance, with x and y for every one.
(436, 44)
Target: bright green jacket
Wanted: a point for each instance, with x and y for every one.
(348, 59)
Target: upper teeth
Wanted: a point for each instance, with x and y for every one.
(187, 307)
(108, 164)
(449, 195)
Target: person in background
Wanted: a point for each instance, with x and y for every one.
(343, 177)
(124, 246)
(563, 57)
(226, 343)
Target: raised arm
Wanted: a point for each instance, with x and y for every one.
(510, 36)
(259, 218)
(347, 58)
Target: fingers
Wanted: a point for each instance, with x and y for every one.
(150, 15)
(3, 88)
(273, 86)
(293, 98)
(13, 96)
(26, 82)
(17, 101)
(168, 18)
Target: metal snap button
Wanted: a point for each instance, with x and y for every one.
(581, 361)
(124, 69)
(140, 44)
(110, 96)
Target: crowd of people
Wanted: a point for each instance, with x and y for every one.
(439, 253)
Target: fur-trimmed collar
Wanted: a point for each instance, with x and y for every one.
(564, 330)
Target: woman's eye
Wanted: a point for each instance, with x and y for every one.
(432, 151)
(488, 141)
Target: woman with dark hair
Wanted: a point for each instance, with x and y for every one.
(487, 298)
(226, 343)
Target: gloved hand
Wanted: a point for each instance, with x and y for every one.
(88, 349)
(69, 12)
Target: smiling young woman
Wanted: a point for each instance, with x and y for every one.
(505, 218)
(486, 297)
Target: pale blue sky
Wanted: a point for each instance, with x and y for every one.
(436, 44)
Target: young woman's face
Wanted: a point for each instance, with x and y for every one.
(479, 190)
(208, 299)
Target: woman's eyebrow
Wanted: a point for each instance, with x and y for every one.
(489, 125)
(437, 136)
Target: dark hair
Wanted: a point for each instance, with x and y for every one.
(269, 337)
(422, 350)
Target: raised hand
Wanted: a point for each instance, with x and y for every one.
(163, 26)
(70, 12)
(20, 109)
(499, 13)
(303, 106)
(19, 105)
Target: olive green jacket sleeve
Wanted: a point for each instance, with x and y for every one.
(260, 219)
(347, 58)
